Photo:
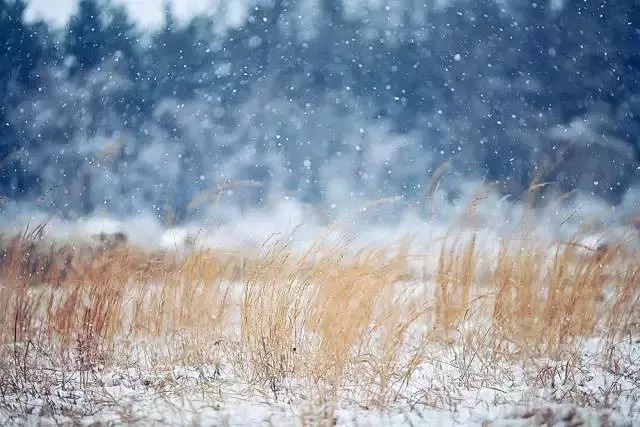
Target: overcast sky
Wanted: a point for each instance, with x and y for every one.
(148, 13)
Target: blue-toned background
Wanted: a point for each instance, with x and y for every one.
(329, 102)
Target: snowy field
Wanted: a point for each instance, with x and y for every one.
(319, 212)
(454, 326)
(580, 391)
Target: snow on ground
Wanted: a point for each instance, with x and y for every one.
(211, 401)
(145, 393)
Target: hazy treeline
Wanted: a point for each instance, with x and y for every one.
(322, 100)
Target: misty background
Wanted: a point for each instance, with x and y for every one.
(203, 108)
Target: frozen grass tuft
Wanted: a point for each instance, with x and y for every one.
(505, 330)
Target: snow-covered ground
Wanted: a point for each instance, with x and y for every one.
(542, 392)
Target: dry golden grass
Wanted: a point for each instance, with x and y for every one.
(340, 324)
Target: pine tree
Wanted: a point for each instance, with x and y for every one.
(85, 40)
(21, 52)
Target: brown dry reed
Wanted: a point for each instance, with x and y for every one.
(338, 322)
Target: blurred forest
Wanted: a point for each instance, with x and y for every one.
(319, 100)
